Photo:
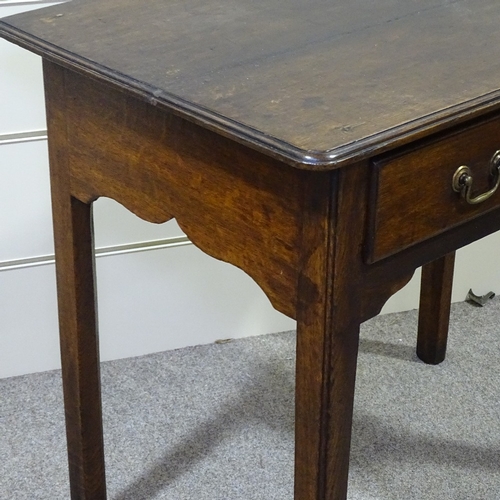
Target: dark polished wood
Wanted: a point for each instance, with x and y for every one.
(74, 247)
(311, 144)
(315, 83)
(418, 180)
(434, 313)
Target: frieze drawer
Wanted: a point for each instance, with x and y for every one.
(440, 184)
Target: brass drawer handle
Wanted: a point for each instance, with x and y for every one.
(462, 181)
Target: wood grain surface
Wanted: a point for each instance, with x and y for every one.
(412, 197)
(233, 202)
(76, 296)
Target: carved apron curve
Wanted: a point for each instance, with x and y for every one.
(234, 203)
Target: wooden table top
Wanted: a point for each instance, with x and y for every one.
(313, 82)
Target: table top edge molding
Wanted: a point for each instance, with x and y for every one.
(294, 156)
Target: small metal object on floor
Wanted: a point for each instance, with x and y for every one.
(479, 300)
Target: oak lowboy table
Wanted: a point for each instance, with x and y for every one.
(328, 148)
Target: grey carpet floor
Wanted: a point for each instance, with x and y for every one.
(216, 422)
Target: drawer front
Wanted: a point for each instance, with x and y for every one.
(412, 196)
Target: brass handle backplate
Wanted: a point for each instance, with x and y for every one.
(462, 181)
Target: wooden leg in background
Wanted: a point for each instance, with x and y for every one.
(79, 347)
(434, 313)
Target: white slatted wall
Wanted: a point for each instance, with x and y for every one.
(156, 290)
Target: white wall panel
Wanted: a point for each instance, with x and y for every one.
(21, 88)
(25, 214)
(148, 301)
(115, 225)
(476, 266)
(172, 298)
(166, 299)
(29, 339)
